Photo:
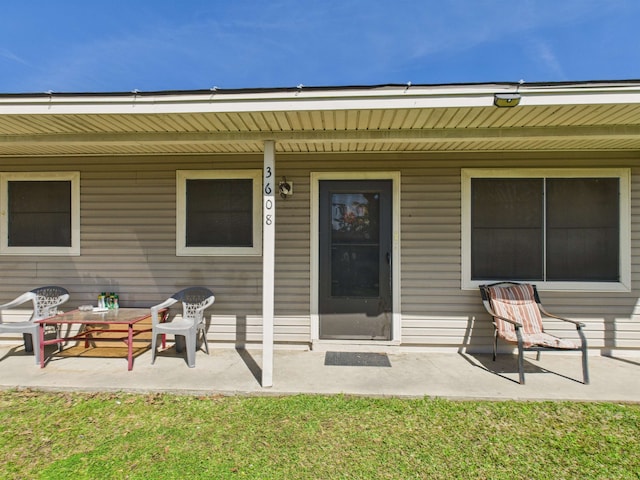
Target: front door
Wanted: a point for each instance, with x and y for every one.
(355, 254)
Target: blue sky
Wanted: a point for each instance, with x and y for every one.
(149, 45)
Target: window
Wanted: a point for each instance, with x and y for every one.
(560, 229)
(218, 212)
(40, 213)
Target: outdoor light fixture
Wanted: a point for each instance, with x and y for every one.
(285, 188)
(506, 100)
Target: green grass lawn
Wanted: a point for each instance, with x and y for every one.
(96, 436)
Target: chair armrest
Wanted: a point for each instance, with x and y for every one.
(207, 303)
(63, 299)
(578, 325)
(24, 298)
(156, 308)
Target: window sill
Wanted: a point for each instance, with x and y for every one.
(559, 286)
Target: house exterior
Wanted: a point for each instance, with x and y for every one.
(332, 217)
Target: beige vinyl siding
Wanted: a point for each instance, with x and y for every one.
(128, 240)
(128, 246)
(431, 257)
(436, 312)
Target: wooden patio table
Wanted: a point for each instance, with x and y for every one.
(96, 322)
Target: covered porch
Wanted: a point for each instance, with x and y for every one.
(407, 374)
(128, 147)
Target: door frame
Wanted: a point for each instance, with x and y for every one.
(396, 317)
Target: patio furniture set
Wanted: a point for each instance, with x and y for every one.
(94, 322)
(516, 310)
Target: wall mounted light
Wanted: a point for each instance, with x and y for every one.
(285, 187)
(506, 100)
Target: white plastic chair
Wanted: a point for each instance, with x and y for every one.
(45, 302)
(195, 300)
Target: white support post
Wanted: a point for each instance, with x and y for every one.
(268, 260)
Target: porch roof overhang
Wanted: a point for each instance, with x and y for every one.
(583, 116)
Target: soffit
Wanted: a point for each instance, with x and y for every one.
(608, 126)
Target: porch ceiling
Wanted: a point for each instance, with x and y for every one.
(371, 120)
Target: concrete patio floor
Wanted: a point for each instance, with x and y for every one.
(238, 372)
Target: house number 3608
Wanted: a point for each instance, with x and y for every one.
(268, 204)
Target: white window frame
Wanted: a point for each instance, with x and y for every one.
(181, 208)
(74, 178)
(624, 176)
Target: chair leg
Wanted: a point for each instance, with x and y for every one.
(520, 355)
(521, 364)
(35, 339)
(154, 338)
(28, 342)
(585, 366)
(58, 335)
(190, 340)
(495, 344)
(204, 339)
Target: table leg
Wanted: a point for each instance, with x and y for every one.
(41, 346)
(130, 346)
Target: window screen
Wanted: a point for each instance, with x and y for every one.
(219, 213)
(583, 229)
(506, 230)
(555, 229)
(39, 213)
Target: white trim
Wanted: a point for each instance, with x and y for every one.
(387, 97)
(623, 174)
(182, 176)
(74, 178)
(268, 260)
(396, 331)
(243, 103)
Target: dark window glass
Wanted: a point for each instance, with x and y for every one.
(583, 229)
(355, 244)
(506, 228)
(555, 229)
(219, 213)
(39, 213)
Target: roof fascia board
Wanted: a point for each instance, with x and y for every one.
(322, 100)
(586, 98)
(238, 105)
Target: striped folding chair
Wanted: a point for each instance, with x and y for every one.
(517, 319)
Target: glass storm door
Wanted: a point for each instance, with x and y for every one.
(355, 259)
